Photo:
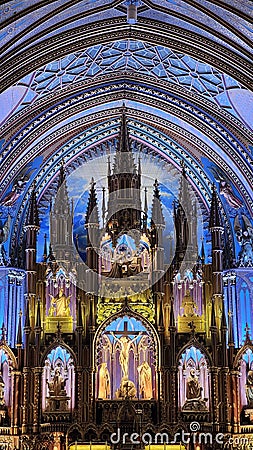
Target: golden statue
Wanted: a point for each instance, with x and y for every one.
(189, 306)
(59, 305)
(104, 382)
(145, 380)
(125, 343)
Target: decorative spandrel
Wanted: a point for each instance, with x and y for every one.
(141, 302)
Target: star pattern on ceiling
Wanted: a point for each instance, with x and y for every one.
(157, 61)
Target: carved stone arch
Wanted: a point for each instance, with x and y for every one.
(53, 346)
(199, 346)
(75, 426)
(159, 33)
(73, 432)
(240, 353)
(126, 357)
(105, 432)
(127, 311)
(90, 433)
(10, 355)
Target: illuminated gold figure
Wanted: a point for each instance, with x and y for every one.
(125, 343)
(59, 305)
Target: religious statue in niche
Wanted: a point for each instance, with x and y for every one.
(60, 305)
(188, 305)
(57, 400)
(145, 380)
(249, 388)
(194, 400)
(104, 382)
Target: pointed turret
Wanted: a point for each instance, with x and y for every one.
(203, 256)
(62, 176)
(123, 143)
(172, 330)
(215, 225)
(27, 316)
(214, 329)
(38, 316)
(215, 215)
(231, 340)
(156, 240)
(213, 316)
(172, 315)
(223, 331)
(61, 222)
(45, 249)
(124, 182)
(32, 218)
(92, 227)
(31, 229)
(27, 331)
(19, 334)
(92, 207)
(124, 163)
(157, 213)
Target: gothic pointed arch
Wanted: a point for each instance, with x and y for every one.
(126, 355)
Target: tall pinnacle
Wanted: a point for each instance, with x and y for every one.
(215, 216)
(123, 143)
(62, 175)
(157, 213)
(92, 208)
(33, 215)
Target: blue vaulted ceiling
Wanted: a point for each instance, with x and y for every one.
(183, 70)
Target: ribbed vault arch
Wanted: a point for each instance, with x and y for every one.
(154, 32)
